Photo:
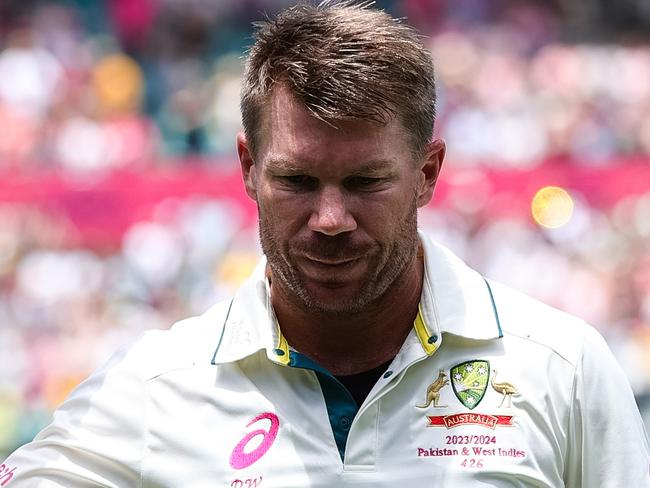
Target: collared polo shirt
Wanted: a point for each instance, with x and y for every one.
(490, 388)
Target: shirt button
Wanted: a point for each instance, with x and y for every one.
(387, 374)
(344, 423)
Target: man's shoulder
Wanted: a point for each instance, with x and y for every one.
(529, 319)
(188, 343)
(517, 315)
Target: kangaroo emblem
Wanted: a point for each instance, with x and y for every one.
(433, 392)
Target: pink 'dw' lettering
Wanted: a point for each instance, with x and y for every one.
(239, 458)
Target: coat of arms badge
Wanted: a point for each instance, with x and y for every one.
(469, 381)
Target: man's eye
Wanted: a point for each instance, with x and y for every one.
(298, 181)
(363, 182)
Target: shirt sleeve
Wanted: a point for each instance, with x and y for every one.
(96, 437)
(608, 445)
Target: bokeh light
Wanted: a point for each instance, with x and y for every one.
(552, 207)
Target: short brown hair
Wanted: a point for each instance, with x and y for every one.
(344, 61)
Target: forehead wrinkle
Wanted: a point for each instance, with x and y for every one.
(281, 100)
(297, 141)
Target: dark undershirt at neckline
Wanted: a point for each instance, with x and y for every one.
(360, 384)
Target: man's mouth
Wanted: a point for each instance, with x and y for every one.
(332, 261)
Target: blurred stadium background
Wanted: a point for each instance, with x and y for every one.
(121, 208)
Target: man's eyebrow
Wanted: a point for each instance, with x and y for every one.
(378, 166)
(279, 163)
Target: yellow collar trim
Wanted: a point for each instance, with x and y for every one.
(281, 352)
(428, 340)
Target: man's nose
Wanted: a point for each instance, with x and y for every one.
(331, 215)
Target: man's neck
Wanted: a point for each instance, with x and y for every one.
(352, 343)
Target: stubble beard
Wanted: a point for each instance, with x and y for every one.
(387, 266)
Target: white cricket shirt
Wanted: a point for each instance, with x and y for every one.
(490, 389)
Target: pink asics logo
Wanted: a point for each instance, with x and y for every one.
(239, 458)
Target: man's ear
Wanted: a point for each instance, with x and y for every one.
(247, 165)
(429, 171)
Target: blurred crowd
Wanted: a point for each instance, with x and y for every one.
(113, 84)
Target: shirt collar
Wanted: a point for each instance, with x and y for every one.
(455, 300)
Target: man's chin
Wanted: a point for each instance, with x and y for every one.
(334, 298)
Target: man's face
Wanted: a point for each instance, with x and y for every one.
(337, 207)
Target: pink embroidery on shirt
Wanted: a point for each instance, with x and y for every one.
(6, 474)
(239, 458)
(249, 483)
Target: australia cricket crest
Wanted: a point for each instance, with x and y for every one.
(469, 381)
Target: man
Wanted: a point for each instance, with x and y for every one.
(359, 353)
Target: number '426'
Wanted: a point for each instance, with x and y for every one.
(472, 463)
